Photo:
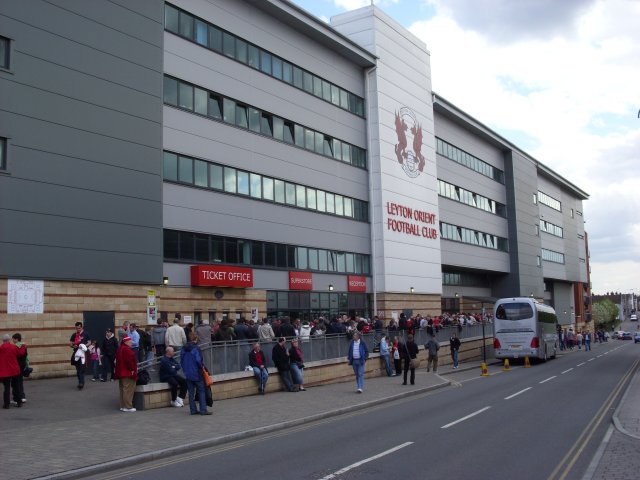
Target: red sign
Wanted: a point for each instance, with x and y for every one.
(300, 281)
(356, 283)
(221, 276)
(411, 221)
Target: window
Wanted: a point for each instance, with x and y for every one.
(171, 19)
(170, 91)
(209, 175)
(185, 172)
(209, 36)
(463, 158)
(200, 173)
(549, 201)
(230, 180)
(201, 33)
(551, 256)
(185, 99)
(472, 237)
(170, 167)
(3, 153)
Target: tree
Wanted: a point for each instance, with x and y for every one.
(605, 313)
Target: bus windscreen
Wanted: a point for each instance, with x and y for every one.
(514, 311)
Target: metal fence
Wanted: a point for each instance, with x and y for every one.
(229, 357)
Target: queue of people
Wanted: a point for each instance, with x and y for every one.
(117, 356)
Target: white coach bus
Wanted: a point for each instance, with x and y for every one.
(524, 328)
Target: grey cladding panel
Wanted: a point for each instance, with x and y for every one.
(43, 262)
(79, 203)
(93, 33)
(92, 147)
(83, 110)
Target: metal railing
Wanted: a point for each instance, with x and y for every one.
(233, 356)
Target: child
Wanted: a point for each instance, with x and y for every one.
(397, 363)
(96, 360)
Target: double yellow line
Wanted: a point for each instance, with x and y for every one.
(566, 464)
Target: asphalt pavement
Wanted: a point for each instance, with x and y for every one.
(65, 433)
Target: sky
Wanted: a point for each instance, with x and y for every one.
(558, 78)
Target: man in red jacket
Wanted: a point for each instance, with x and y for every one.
(10, 370)
(127, 374)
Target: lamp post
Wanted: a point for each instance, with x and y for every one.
(484, 343)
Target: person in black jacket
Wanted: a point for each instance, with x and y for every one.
(408, 352)
(108, 348)
(280, 357)
(454, 345)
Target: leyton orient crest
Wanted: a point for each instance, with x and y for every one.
(411, 159)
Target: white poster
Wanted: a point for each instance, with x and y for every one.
(25, 296)
(254, 314)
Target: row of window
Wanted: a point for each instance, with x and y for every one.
(209, 36)
(549, 227)
(549, 201)
(461, 195)
(472, 237)
(179, 93)
(179, 168)
(551, 256)
(465, 279)
(286, 300)
(463, 158)
(5, 49)
(197, 247)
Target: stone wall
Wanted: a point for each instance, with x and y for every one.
(47, 334)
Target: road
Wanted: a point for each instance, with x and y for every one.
(544, 422)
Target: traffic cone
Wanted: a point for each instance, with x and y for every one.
(485, 371)
(527, 363)
(506, 367)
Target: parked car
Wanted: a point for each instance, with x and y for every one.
(625, 336)
(617, 334)
(636, 338)
(633, 318)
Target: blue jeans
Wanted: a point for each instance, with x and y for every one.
(202, 398)
(285, 375)
(587, 345)
(387, 364)
(358, 369)
(454, 357)
(95, 364)
(262, 376)
(296, 374)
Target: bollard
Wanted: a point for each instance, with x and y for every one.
(485, 371)
(527, 363)
(506, 367)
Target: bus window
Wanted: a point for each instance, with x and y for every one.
(514, 311)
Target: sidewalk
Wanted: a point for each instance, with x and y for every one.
(65, 433)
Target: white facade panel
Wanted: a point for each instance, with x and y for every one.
(404, 197)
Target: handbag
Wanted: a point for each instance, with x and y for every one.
(208, 379)
(414, 363)
(27, 371)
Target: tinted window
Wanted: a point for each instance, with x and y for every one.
(514, 311)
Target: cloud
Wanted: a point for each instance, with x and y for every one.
(569, 91)
(510, 21)
(354, 4)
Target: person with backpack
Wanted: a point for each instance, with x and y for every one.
(192, 365)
